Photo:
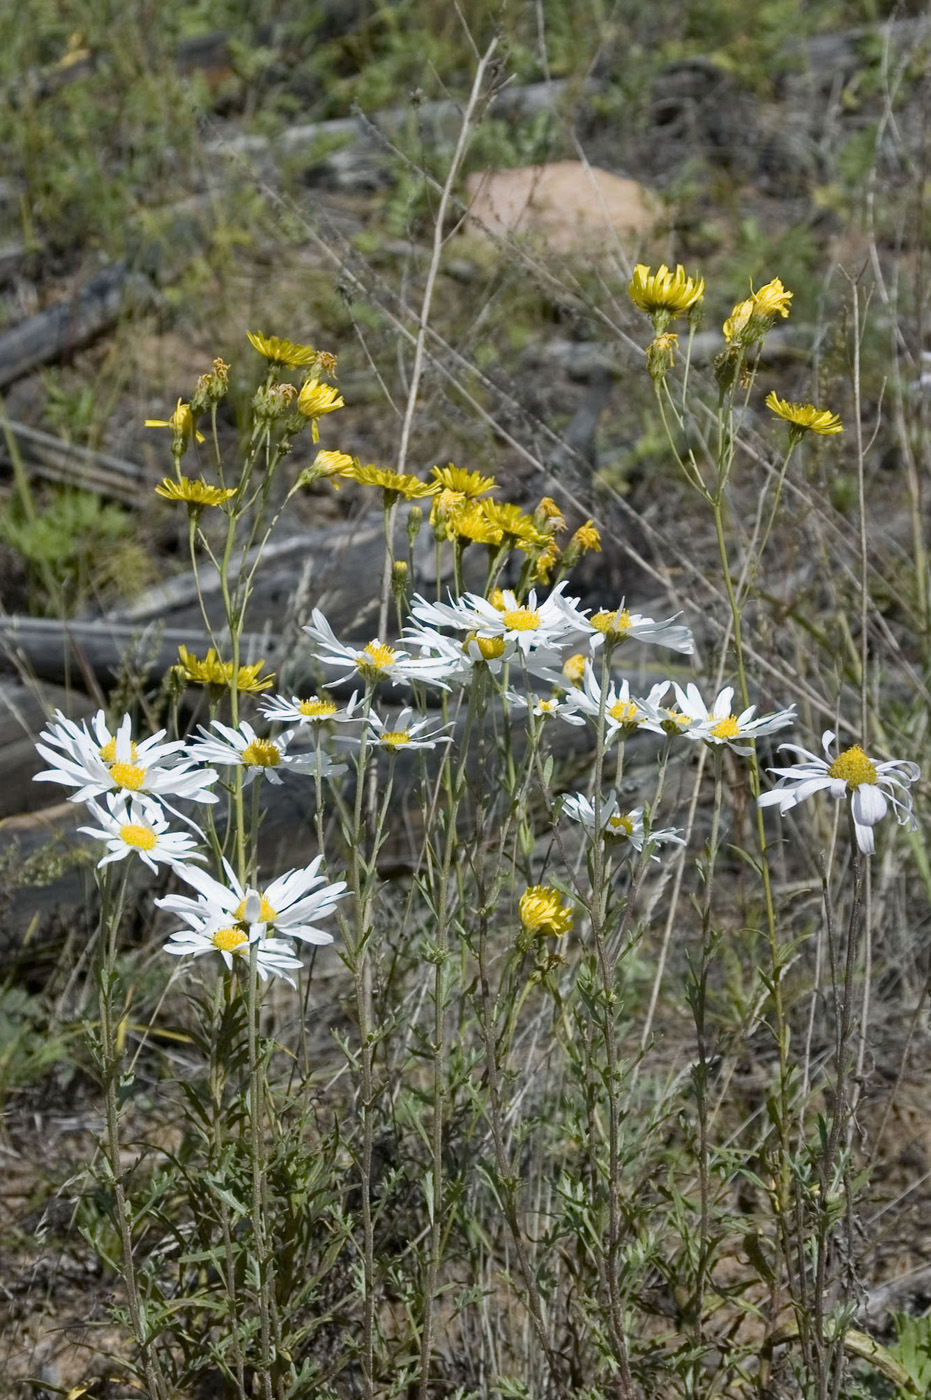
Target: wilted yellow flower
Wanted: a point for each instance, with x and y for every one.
(282, 352)
(211, 387)
(272, 401)
(804, 417)
(664, 295)
(464, 482)
(546, 562)
(399, 483)
(195, 493)
(213, 671)
(549, 511)
(587, 538)
(182, 427)
(660, 354)
(541, 911)
(326, 363)
(317, 399)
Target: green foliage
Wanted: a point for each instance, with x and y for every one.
(81, 539)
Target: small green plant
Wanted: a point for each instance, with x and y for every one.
(73, 539)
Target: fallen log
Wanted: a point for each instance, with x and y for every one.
(61, 329)
(342, 150)
(65, 652)
(49, 457)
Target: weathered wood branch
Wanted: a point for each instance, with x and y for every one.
(55, 460)
(69, 324)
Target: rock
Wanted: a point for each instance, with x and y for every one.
(566, 206)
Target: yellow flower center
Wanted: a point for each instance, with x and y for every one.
(267, 915)
(490, 648)
(521, 619)
(261, 753)
(605, 621)
(497, 600)
(854, 767)
(230, 940)
(621, 825)
(394, 738)
(127, 775)
(546, 706)
(625, 712)
(676, 720)
(317, 709)
(108, 752)
(376, 657)
(727, 728)
(573, 668)
(138, 836)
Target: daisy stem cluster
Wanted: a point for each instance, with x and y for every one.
(463, 1164)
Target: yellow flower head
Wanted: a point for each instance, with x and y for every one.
(573, 668)
(195, 493)
(511, 521)
(465, 483)
(182, 427)
(399, 483)
(469, 522)
(213, 671)
(326, 363)
(772, 300)
(664, 295)
(737, 322)
(317, 399)
(752, 318)
(804, 417)
(541, 911)
(282, 352)
(326, 463)
(445, 502)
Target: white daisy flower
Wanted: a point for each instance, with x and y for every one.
(135, 825)
(870, 783)
(719, 724)
(98, 762)
(621, 624)
(311, 712)
(614, 823)
(529, 625)
(543, 706)
(460, 657)
(273, 956)
(399, 733)
(290, 905)
(375, 662)
(242, 748)
(623, 713)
